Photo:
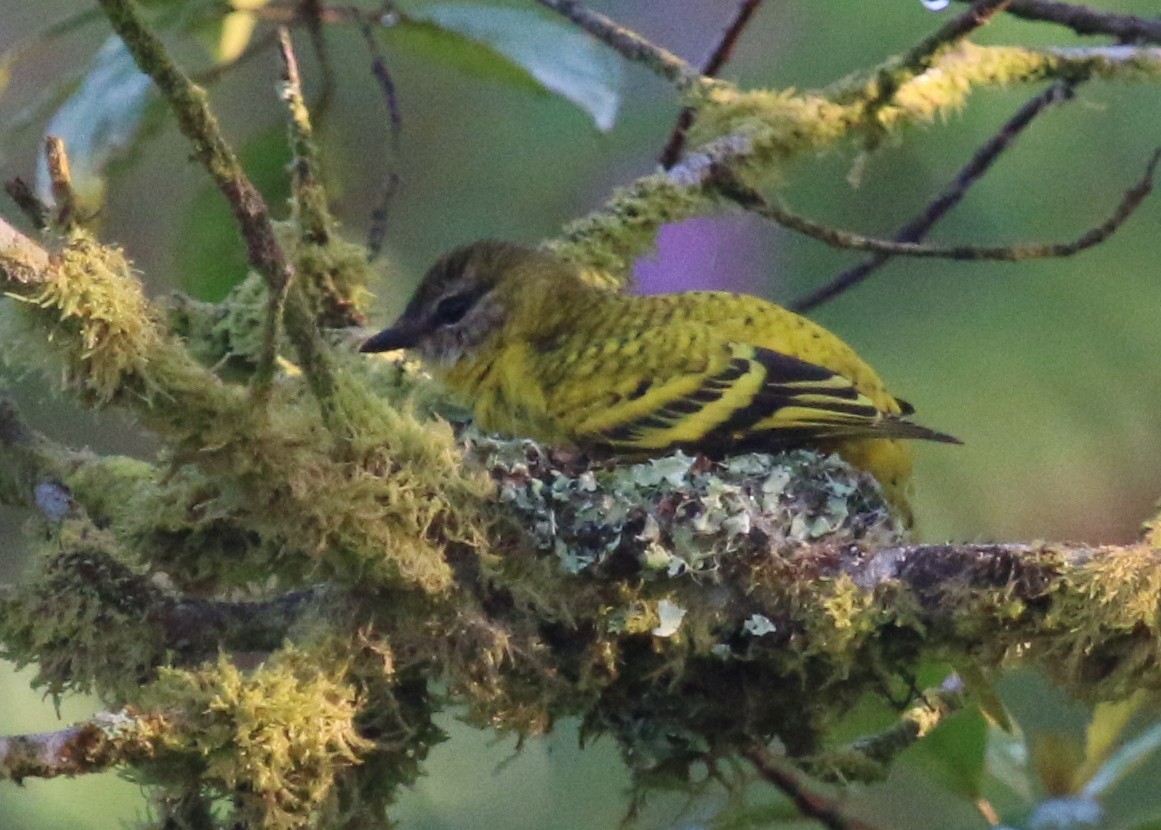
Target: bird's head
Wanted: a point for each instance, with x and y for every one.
(463, 301)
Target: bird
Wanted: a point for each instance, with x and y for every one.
(539, 350)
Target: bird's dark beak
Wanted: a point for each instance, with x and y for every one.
(402, 335)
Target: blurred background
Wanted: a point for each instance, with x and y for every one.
(1046, 369)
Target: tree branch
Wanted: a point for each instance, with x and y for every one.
(792, 783)
(1085, 21)
(191, 107)
(948, 198)
(93, 746)
(721, 53)
(627, 43)
(754, 202)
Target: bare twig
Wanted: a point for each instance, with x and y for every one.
(380, 216)
(1083, 20)
(22, 261)
(61, 179)
(751, 200)
(792, 783)
(722, 52)
(919, 57)
(311, 11)
(33, 208)
(378, 231)
(917, 228)
(93, 746)
(628, 44)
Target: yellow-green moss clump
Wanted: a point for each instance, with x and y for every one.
(334, 276)
(605, 244)
(1103, 624)
(256, 488)
(98, 317)
(273, 740)
(83, 617)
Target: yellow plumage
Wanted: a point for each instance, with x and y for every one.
(538, 352)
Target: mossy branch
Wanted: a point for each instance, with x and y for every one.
(191, 108)
(754, 133)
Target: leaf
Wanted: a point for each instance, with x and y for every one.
(97, 121)
(1106, 730)
(1054, 728)
(912, 799)
(560, 59)
(1122, 762)
(237, 32)
(953, 753)
(238, 29)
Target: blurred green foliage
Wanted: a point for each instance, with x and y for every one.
(1046, 369)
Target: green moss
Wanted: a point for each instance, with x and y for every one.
(335, 275)
(83, 618)
(98, 318)
(113, 488)
(277, 494)
(1102, 634)
(606, 243)
(272, 740)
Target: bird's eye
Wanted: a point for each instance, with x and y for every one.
(450, 310)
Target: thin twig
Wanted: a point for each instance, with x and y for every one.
(722, 53)
(921, 57)
(309, 198)
(792, 783)
(1083, 20)
(753, 201)
(197, 123)
(952, 194)
(265, 254)
(33, 208)
(311, 11)
(627, 43)
(379, 216)
(310, 222)
(931, 708)
(60, 176)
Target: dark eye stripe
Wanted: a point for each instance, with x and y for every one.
(452, 308)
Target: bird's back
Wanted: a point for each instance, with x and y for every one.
(714, 371)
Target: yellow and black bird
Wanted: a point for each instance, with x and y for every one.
(539, 352)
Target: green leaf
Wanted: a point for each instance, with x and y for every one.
(99, 120)
(560, 59)
(1054, 727)
(953, 753)
(912, 799)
